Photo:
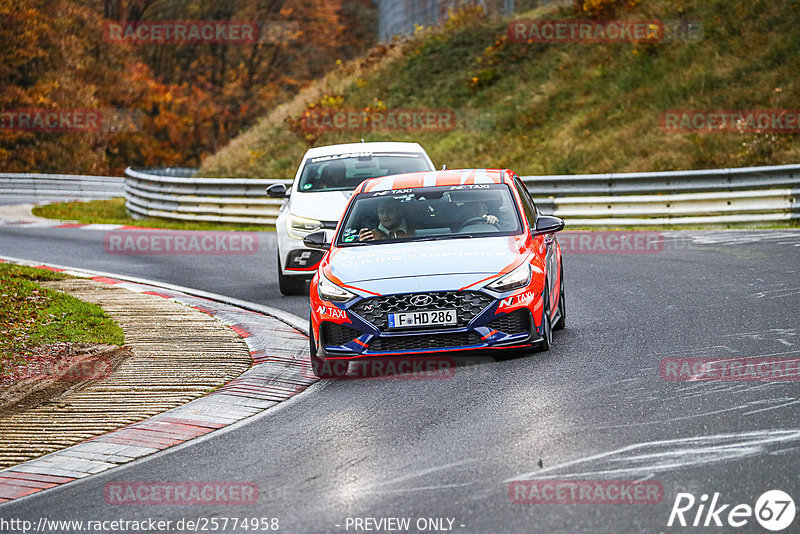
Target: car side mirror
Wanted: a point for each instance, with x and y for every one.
(317, 240)
(277, 191)
(546, 224)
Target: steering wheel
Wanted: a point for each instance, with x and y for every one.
(478, 220)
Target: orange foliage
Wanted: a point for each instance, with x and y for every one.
(176, 103)
(602, 9)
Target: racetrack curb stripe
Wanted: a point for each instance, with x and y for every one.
(272, 379)
(240, 329)
(105, 280)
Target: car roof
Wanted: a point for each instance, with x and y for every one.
(377, 146)
(437, 178)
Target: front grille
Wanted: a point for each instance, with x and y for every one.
(438, 341)
(334, 334)
(516, 322)
(468, 304)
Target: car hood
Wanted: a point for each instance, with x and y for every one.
(322, 205)
(423, 266)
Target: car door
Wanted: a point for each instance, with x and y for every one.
(550, 243)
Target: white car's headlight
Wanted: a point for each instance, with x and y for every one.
(519, 277)
(299, 227)
(330, 291)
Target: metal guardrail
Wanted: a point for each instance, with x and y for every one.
(762, 206)
(177, 194)
(738, 179)
(61, 185)
(718, 196)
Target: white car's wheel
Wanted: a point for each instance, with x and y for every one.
(290, 285)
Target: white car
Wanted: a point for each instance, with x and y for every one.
(319, 194)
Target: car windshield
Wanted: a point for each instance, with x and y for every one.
(430, 213)
(343, 172)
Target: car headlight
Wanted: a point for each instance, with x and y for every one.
(519, 277)
(299, 227)
(330, 291)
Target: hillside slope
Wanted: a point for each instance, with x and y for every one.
(560, 108)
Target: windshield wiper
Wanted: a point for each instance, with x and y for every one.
(446, 236)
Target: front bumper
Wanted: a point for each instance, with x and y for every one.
(361, 328)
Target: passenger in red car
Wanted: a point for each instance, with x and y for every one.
(392, 224)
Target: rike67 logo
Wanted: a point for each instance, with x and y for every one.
(774, 510)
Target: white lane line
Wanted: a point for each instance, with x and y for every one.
(421, 488)
(424, 472)
(772, 407)
(696, 351)
(671, 454)
(777, 293)
(670, 420)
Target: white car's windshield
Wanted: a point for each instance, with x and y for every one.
(428, 213)
(343, 172)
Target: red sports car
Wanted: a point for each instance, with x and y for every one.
(436, 262)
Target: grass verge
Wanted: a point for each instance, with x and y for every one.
(31, 315)
(113, 212)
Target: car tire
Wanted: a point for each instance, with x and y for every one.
(562, 305)
(290, 285)
(320, 367)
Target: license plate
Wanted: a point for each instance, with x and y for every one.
(422, 318)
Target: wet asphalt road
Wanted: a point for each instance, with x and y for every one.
(593, 408)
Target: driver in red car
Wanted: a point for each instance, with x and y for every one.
(478, 210)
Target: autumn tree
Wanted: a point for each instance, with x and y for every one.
(185, 100)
